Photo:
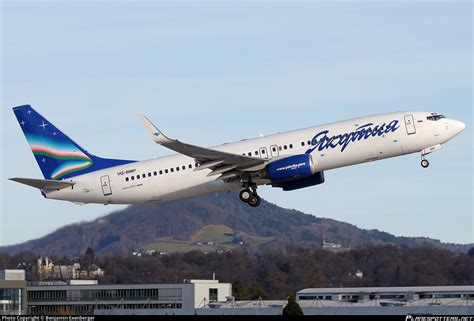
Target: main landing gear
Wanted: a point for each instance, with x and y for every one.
(249, 195)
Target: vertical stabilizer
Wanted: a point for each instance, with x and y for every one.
(57, 155)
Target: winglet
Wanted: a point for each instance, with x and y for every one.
(157, 136)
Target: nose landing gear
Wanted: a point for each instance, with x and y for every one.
(249, 195)
(426, 151)
(424, 162)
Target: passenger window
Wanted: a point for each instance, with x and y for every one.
(177, 169)
(256, 153)
(302, 143)
(126, 179)
(263, 151)
(161, 172)
(309, 142)
(166, 171)
(133, 178)
(291, 145)
(190, 166)
(279, 147)
(274, 149)
(284, 147)
(249, 153)
(154, 173)
(143, 175)
(138, 176)
(172, 170)
(183, 167)
(149, 174)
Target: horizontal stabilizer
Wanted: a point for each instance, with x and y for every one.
(44, 184)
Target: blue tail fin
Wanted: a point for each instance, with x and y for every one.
(58, 156)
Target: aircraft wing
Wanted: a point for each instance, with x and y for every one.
(44, 184)
(227, 165)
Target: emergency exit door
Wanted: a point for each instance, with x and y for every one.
(263, 152)
(105, 182)
(410, 124)
(274, 150)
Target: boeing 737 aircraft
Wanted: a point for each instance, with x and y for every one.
(291, 160)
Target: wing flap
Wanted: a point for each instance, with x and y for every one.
(222, 170)
(44, 184)
(208, 165)
(230, 174)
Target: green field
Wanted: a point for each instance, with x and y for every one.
(259, 240)
(170, 245)
(220, 235)
(214, 233)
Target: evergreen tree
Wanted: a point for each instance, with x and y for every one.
(239, 291)
(471, 251)
(257, 292)
(88, 259)
(292, 308)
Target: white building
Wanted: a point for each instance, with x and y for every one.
(204, 292)
(12, 292)
(405, 300)
(83, 299)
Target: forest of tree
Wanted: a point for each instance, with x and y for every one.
(277, 274)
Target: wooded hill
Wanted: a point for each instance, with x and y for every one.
(181, 225)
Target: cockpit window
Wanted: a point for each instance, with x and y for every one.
(435, 117)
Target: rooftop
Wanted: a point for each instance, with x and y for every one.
(401, 289)
(12, 275)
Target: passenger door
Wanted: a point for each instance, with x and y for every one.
(106, 188)
(410, 124)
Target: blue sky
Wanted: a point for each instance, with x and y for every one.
(210, 73)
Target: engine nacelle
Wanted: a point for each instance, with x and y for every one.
(316, 179)
(289, 169)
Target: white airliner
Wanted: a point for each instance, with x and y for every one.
(291, 160)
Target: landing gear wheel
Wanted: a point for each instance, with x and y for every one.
(245, 195)
(255, 201)
(249, 193)
(425, 163)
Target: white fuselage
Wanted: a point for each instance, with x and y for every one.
(173, 177)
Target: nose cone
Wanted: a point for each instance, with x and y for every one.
(457, 126)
